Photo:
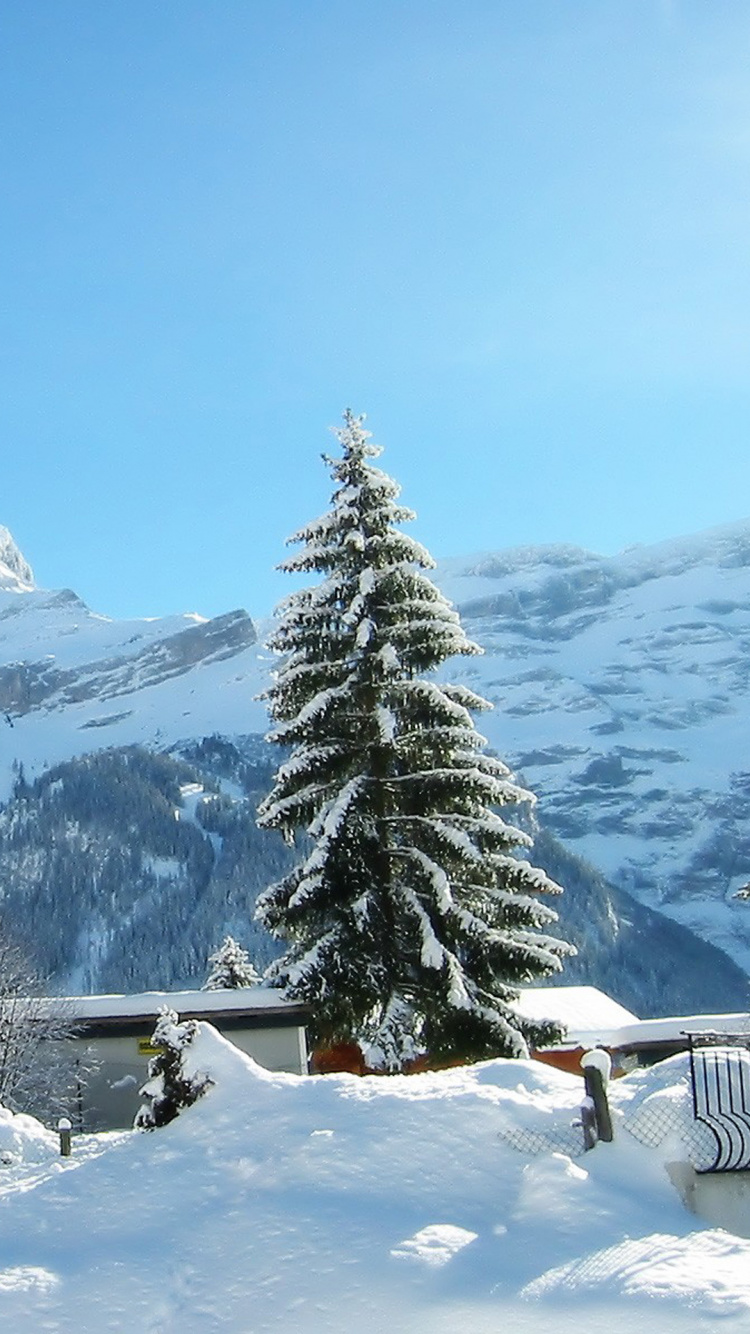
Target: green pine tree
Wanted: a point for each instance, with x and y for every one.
(411, 922)
(230, 968)
(170, 1086)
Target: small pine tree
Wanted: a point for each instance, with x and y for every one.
(230, 967)
(170, 1087)
(411, 923)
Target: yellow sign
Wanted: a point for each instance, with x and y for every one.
(147, 1048)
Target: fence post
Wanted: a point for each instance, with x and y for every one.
(596, 1066)
(64, 1128)
(588, 1123)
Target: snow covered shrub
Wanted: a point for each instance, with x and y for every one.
(230, 968)
(170, 1086)
(38, 1071)
(411, 922)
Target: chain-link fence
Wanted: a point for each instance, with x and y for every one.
(556, 1137)
(665, 1117)
(660, 1117)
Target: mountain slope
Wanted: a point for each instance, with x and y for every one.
(622, 693)
(124, 869)
(72, 681)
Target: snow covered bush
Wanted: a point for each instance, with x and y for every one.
(38, 1072)
(411, 921)
(230, 967)
(170, 1086)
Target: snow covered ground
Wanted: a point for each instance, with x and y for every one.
(334, 1203)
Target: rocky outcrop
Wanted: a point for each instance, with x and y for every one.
(32, 685)
(15, 572)
(622, 694)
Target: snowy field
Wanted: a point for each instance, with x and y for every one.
(334, 1203)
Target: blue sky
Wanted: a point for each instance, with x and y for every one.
(514, 234)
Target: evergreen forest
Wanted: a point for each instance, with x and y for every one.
(125, 869)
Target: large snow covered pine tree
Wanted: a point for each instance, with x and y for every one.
(409, 921)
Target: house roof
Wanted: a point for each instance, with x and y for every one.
(256, 1005)
(149, 1003)
(664, 1032)
(589, 1015)
(592, 1018)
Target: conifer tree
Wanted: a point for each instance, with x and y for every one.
(230, 967)
(170, 1086)
(410, 922)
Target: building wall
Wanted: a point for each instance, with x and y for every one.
(109, 1094)
(563, 1058)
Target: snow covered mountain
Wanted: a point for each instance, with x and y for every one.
(622, 693)
(72, 681)
(16, 575)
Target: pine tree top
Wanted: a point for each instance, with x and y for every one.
(375, 609)
(230, 968)
(364, 509)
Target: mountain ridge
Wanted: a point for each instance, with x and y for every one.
(621, 688)
(15, 572)
(622, 694)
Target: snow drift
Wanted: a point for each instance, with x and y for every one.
(336, 1203)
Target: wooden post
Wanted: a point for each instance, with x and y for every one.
(588, 1124)
(596, 1066)
(64, 1128)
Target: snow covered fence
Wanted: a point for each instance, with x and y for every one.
(651, 1117)
(576, 1136)
(660, 1114)
(694, 1106)
(702, 1109)
(554, 1137)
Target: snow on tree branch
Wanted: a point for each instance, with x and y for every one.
(410, 924)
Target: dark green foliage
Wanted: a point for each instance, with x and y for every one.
(110, 891)
(410, 924)
(171, 1087)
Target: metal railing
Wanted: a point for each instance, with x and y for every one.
(720, 1079)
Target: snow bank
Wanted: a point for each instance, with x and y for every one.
(24, 1140)
(334, 1203)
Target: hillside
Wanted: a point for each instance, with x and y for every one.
(622, 695)
(124, 869)
(622, 699)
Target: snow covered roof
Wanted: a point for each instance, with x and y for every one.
(647, 1032)
(188, 1004)
(590, 1016)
